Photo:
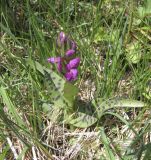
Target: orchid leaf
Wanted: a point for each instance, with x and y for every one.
(81, 120)
(62, 93)
(84, 120)
(66, 91)
(118, 103)
(70, 92)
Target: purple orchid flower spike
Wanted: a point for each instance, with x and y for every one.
(74, 63)
(67, 65)
(71, 75)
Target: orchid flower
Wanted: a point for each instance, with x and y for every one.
(71, 75)
(74, 63)
(68, 64)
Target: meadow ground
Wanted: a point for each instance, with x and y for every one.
(98, 109)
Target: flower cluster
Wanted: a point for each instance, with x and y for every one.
(67, 64)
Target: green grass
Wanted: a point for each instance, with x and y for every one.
(113, 39)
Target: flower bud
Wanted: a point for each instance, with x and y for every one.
(73, 45)
(70, 52)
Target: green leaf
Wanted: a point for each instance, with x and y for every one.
(100, 35)
(106, 143)
(133, 53)
(10, 106)
(70, 92)
(46, 107)
(4, 151)
(147, 94)
(81, 120)
(116, 103)
(147, 149)
(62, 93)
(145, 10)
(85, 119)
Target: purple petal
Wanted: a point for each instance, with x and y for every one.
(62, 37)
(59, 67)
(68, 76)
(68, 67)
(71, 75)
(54, 59)
(70, 52)
(73, 63)
(74, 73)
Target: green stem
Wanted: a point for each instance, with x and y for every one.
(130, 21)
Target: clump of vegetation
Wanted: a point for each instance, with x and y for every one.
(92, 100)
